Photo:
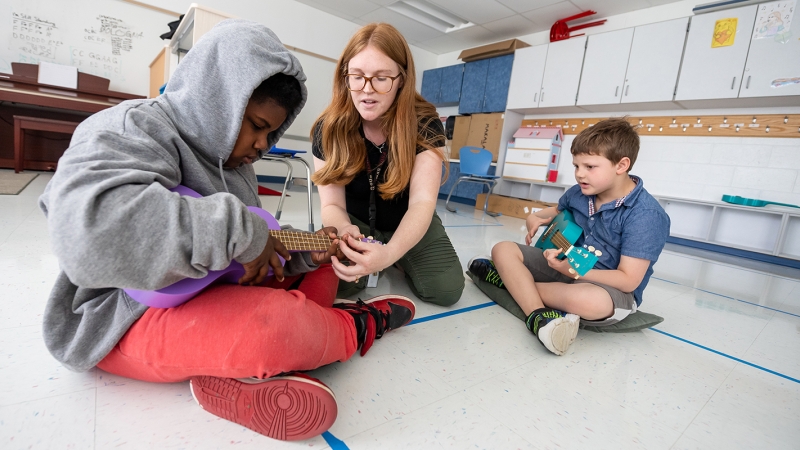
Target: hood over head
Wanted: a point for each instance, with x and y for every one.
(209, 91)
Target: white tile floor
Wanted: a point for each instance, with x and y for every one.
(722, 371)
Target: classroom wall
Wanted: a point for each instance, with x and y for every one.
(701, 168)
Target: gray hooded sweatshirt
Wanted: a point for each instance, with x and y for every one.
(114, 224)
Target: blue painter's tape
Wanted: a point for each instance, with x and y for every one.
(732, 298)
(335, 444)
(726, 355)
(451, 313)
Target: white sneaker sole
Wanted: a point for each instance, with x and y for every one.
(559, 334)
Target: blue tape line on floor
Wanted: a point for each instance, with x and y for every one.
(335, 444)
(451, 313)
(729, 297)
(726, 355)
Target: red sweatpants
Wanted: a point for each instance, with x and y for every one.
(239, 331)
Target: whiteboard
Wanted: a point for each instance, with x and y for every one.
(320, 86)
(110, 39)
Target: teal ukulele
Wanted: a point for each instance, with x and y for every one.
(561, 234)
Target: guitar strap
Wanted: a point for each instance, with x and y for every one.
(373, 210)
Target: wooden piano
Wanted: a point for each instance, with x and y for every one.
(22, 95)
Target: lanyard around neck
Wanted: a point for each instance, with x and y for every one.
(373, 210)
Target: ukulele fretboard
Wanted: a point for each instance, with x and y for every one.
(302, 241)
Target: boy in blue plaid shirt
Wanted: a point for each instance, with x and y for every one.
(618, 217)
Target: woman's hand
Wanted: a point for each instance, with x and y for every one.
(533, 222)
(561, 265)
(256, 270)
(365, 258)
(325, 257)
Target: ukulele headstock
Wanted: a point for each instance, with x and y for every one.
(581, 260)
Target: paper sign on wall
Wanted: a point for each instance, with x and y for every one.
(58, 75)
(724, 32)
(773, 19)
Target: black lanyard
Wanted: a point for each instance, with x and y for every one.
(373, 210)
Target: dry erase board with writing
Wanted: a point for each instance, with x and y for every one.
(111, 39)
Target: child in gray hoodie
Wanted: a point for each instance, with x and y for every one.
(114, 224)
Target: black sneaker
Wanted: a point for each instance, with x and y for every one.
(377, 315)
(484, 268)
(555, 329)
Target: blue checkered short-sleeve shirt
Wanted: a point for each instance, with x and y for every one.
(635, 225)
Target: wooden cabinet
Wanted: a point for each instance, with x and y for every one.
(562, 72)
(604, 67)
(442, 86)
(774, 56)
(710, 72)
(485, 85)
(526, 77)
(158, 72)
(655, 61)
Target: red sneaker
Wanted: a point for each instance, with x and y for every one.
(289, 407)
(377, 315)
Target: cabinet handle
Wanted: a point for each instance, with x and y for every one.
(626, 89)
(733, 82)
(535, 96)
(747, 86)
(616, 90)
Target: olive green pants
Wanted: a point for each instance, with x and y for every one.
(431, 267)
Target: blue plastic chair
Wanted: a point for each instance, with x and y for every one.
(287, 156)
(475, 164)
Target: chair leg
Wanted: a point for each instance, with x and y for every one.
(310, 191)
(285, 187)
(447, 202)
(486, 203)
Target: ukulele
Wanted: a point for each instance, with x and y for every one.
(561, 234)
(184, 290)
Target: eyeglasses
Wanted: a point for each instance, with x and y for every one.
(380, 84)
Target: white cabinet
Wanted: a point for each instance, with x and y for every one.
(562, 72)
(774, 55)
(655, 61)
(526, 77)
(710, 72)
(197, 21)
(604, 67)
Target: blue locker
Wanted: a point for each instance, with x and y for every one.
(473, 88)
(497, 82)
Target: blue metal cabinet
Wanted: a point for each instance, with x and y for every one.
(431, 85)
(450, 92)
(497, 82)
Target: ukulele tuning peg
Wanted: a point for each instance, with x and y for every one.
(598, 253)
(572, 271)
(591, 248)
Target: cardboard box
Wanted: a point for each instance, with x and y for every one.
(460, 133)
(491, 50)
(511, 206)
(485, 131)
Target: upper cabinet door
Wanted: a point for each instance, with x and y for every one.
(431, 83)
(712, 65)
(526, 77)
(497, 82)
(473, 88)
(774, 57)
(562, 72)
(450, 92)
(604, 67)
(655, 61)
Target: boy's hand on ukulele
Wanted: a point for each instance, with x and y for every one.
(533, 222)
(561, 265)
(256, 270)
(325, 257)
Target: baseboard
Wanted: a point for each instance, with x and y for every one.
(736, 252)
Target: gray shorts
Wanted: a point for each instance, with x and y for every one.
(536, 263)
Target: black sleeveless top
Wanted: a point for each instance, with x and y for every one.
(389, 212)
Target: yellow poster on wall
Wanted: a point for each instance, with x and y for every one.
(724, 32)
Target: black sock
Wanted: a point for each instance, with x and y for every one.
(530, 322)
